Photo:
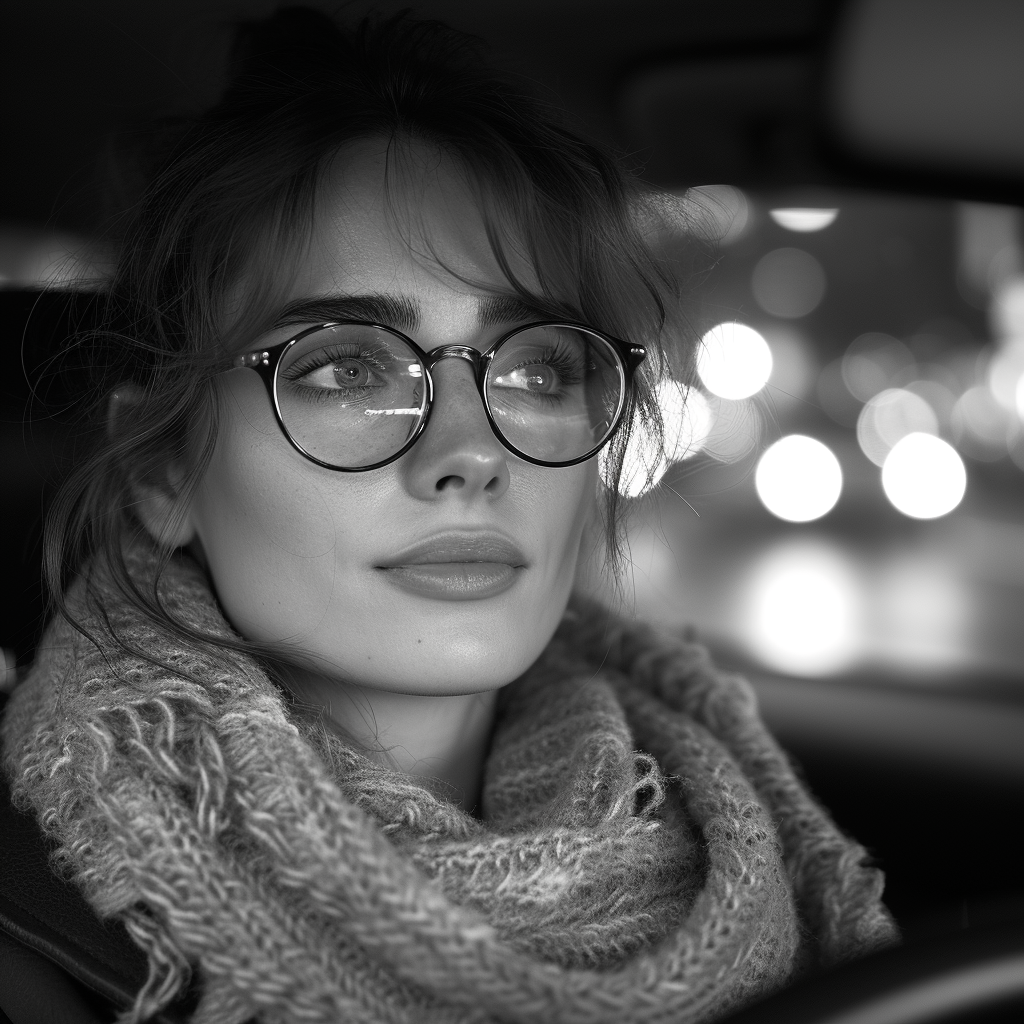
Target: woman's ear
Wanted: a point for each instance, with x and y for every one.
(159, 498)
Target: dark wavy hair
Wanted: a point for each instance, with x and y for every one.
(232, 192)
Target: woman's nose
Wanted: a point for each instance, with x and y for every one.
(458, 454)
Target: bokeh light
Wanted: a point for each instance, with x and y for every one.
(687, 420)
(803, 218)
(788, 283)
(736, 431)
(798, 479)
(1005, 369)
(871, 362)
(734, 361)
(924, 477)
(939, 396)
(717, 213)
(981, 425)
(643, 464)
(1007, 310)
(1016, 451)
(804, 608)
(921, 610)
(888, 418)
(686, 417)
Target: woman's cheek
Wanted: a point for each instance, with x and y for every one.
(267, 534)
(570, 498)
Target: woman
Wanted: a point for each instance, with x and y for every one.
(320, 724)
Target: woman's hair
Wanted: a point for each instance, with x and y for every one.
(230, 199)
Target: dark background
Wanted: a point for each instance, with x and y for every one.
(73, 73)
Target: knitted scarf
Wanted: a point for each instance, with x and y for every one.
(644, 854)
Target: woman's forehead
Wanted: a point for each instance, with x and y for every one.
(396, 226)
(402, 210)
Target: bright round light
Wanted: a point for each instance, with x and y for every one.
(687, 419)
(801, 218)
(888, 418)
(643, 465)
(734, 361)
(804, 608)
(798, 479)
(924, 477)
(644, 462)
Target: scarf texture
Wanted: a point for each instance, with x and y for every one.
(644, 854)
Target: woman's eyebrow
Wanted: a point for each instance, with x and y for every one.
(402, 313)
(511, 309)
(390, 310)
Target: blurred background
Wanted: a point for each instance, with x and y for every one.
(848, 498)
(842, 517)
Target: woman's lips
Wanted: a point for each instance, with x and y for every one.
(453, 581)
(456, 566)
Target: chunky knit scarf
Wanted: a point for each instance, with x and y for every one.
(644, 854)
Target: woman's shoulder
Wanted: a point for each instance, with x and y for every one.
(58, 961)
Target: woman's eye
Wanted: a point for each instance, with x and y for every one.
(341, 374)
(351, 373)
(538, 377)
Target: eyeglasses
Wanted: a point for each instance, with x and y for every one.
(354, 396)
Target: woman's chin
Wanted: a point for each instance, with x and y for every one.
(442, 655)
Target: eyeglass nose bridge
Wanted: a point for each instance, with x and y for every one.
(471, 355)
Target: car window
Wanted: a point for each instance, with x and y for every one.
(850, 462)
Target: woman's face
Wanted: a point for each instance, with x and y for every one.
(444, 572)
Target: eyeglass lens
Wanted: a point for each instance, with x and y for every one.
(353, 395)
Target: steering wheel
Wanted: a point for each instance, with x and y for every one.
(975, 976)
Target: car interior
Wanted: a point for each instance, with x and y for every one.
(842, 517)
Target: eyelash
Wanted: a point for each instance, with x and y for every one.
(324, 357)
(333, 355)
(568, 368)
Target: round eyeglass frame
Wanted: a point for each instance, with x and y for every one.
(265, 362)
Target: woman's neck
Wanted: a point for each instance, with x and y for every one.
(437, 737)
